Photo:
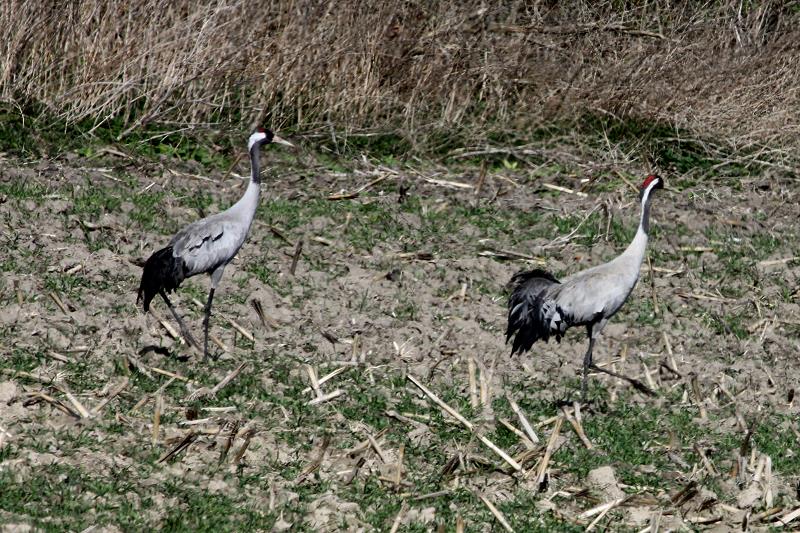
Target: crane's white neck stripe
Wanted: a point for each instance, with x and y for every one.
(254, 138)
(648, 190)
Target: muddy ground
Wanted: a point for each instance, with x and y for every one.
(108, 419)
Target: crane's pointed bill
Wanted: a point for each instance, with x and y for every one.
(280, 140)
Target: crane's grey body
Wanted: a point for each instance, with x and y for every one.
(209, 244)
(540, 306)
(206, 246)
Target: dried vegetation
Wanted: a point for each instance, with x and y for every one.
(724, 70)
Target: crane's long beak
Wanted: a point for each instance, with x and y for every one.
(280, 140)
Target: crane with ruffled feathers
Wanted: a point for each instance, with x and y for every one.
(540, 306)
(206, 246)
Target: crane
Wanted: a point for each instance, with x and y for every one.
(206, 246)
(540, 306)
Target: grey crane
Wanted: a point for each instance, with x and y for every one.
(206, 246)
(540, 306)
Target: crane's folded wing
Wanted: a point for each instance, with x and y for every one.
(204, 247)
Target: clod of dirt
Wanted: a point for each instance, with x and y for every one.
(749, 497)
(604, 480)
(8, 390)
(281, 525)
(328, 512)
(420, 516)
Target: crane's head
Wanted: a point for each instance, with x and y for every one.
(262, 136)
(650, 183)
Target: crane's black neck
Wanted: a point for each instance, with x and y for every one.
(645, 222)
(255, 163)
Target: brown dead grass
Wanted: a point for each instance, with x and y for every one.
(723, 70)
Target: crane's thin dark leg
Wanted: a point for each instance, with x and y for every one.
(205, 323)
(184, 330)
(587, 363)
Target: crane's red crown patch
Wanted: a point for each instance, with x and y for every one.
(648, 180)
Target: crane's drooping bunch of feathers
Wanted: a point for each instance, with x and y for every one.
(162, 271)
(534, 307)
(533, 314)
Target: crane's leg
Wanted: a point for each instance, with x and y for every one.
(587, 363)
(184, 330)
(215, 277)
(205, 323)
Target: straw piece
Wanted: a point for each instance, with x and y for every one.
(119, 388)
(448, 183)
(171, 374)
(377, 448)
(523, 421)
(248, 436)
(182, 446)
(316, 462)
(788, 517)
(324, 379)
(58, 404)
(503, 455)
(47, 380)
(698, 397)
(399, 472)
(157, 418)
(312, 377)
(227, 379)
(327, 397)
(473, 384)
(398, 518)
(551, 445)
(578, 429)
(601, 511)
(146, 397)
(298, 250)
(57, 300)
(497, 514)
(246, 334)
(233, 429)
(233, 323)
(77, 404)
(355, 193)
(460, 526)
(455, 414)
(707, 464)
(559, 188)
(452, 412)
(522, 436)
(58, 357)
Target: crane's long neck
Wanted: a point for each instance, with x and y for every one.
(637, 246)
(248, 203)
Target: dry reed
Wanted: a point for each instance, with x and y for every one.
(719, 70)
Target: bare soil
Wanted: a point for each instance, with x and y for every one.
(712, 325)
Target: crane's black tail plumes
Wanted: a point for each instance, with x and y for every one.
(162, 271)
(532, 313)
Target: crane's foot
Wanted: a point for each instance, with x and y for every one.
(638, 385)
(213, 356)
(589, 405)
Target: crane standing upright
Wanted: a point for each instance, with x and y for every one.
(540, 306)
(206, 246)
